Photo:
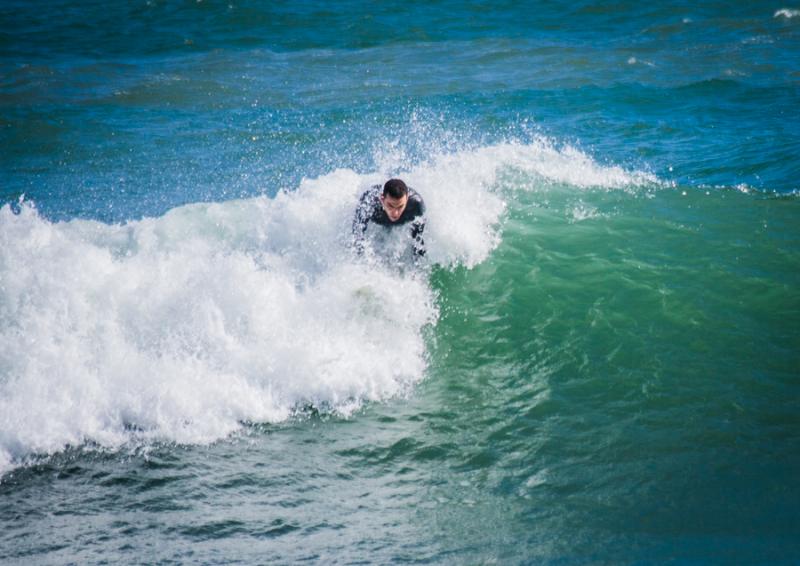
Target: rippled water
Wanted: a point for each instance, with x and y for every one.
(597, 363)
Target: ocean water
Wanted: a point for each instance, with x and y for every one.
(597, 362)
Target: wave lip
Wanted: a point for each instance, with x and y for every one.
(568, 165)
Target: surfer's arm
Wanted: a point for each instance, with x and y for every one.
(417, 227)
(360, 221)
(418, 223)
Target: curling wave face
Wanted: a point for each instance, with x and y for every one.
(182, 327)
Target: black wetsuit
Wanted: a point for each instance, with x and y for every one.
(370, 210)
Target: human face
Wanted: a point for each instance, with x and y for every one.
(394, 207)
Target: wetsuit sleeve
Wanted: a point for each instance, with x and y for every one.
(360, 220)
(417, 227)
(418, 223)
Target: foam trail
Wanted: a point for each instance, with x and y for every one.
(181, 327)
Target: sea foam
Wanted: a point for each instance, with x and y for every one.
(787, 13)
(181, 328)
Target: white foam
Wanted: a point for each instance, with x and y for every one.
(582, 211)
(787, 13)
(186, 325)
(182, 327)
(635, 61)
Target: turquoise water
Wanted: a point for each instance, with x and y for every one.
(597, 364)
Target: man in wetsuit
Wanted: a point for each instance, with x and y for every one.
(393, 205)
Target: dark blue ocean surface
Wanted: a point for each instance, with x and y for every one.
(131, 109)
(598, 361)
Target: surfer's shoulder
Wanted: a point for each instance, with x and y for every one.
(370, 194)
(415, 201)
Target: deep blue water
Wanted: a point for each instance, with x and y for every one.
(598, 362)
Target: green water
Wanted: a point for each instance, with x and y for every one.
(628, 377)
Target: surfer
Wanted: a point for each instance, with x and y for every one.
(394, 204)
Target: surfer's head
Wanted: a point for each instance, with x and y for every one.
(394, 198)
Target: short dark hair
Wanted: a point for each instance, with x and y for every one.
(395, 188)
